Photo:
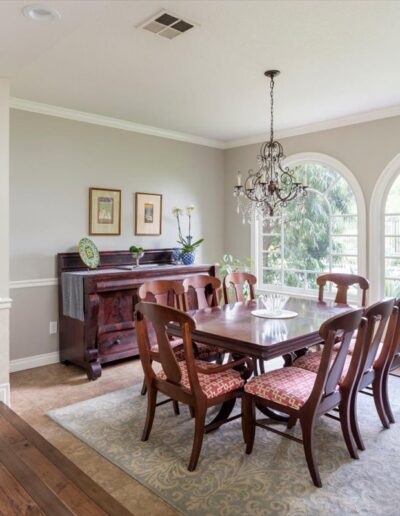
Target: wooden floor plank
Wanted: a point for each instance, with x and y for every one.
(54, 479)
(18, 433)
(42, 495)
(14, 500)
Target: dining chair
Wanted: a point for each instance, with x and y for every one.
(196, 383)
(204, 291)
(237, 282)
(382, 321)
(305, 395)
(343, 282)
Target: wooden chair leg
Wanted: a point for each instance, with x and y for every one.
(355, 429)
(345, 423)
(151, 409)
(292, 421)
(262, 368)
(199, 426)
(144, 388)
(191, 410)
(386, 401)
(248, 421)
(307, 427)
(378, 399)
(176, 408)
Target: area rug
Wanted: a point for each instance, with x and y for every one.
(274, 480)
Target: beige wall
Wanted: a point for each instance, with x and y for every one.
(53, 163)
(4, 240)
(365, 149)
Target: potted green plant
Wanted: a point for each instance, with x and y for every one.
(137, 253)
(188, 248)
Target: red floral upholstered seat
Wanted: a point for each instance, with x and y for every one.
(177, 346)
(212, 385)
(312, 361)
(290, 386)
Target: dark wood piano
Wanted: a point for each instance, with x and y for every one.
(103, 330)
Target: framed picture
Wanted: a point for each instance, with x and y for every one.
(104, 211)
(148, 214)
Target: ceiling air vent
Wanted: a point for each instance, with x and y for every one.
(167, 25)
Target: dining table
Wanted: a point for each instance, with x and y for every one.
(237, 330)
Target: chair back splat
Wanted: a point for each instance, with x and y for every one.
(332, 364)
(343, 282)
(237, 281)
(203, 291)
(164, 292)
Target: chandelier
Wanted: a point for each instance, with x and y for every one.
(265, 192)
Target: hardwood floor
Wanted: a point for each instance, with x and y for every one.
(35, 478)
(36, 391)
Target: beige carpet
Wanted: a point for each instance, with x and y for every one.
(274, 480)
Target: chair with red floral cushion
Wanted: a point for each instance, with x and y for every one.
(343, 282)
(237, 280)
(382, 320)
(306, 395)
(196, 383)
(203, 291)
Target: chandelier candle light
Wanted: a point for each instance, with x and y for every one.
(265, 192)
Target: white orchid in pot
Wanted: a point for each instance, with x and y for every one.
(188, 248)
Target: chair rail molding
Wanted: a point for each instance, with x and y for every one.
(29, 283)
(5, 303)
(377, 227)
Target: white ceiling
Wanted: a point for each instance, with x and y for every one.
(337, 58)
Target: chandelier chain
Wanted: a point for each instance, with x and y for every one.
(272, 108)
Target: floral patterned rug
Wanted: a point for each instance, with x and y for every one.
(274, 480)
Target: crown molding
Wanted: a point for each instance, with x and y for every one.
(106, 121)
(357, 118)
(125, 125)
(29, 283)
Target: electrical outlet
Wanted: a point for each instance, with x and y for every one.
(53, 327)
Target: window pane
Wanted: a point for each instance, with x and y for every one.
(392, 246)
(344, 225)
(344, 245)
(271, 277)
(392, 268)
(342, 199)
(346, 264)
(295, 279)
(392, 288)
(272, 260)
(392, 203)
(271, 243)
(392, 224)
(271, 225)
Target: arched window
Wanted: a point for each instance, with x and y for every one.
(321, 236)
(392, 241)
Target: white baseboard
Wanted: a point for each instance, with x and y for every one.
(5, 393)
(20, 364)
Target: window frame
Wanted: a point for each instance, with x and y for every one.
(384, 184)
(256, 234)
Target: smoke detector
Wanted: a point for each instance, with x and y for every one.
(167, 25)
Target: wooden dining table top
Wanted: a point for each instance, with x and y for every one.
(235, 329)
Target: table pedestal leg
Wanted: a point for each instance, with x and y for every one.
(223, 415)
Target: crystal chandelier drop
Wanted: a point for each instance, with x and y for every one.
(264, 193)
